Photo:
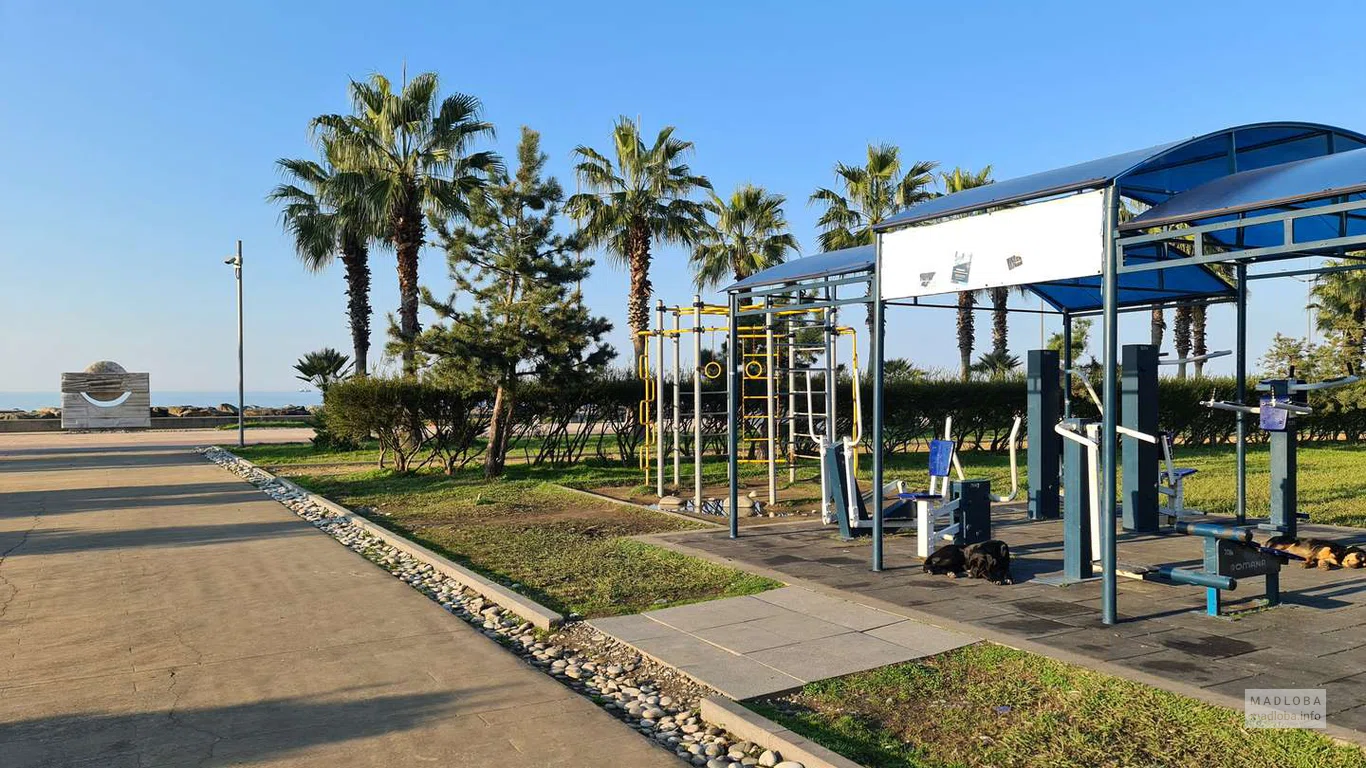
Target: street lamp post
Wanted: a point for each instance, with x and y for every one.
(236, 263)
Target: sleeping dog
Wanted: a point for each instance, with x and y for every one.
(1317, 552)
(988, 560)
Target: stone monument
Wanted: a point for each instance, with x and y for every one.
(105, 396)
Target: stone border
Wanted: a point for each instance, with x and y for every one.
(754, 727)
(540, 616)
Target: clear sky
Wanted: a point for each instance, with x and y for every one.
(137, 140)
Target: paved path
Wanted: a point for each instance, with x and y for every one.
(1315, 640)
(779, 640)
(155, 610)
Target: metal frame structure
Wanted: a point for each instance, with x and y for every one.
(1176, 233)
(765, 355)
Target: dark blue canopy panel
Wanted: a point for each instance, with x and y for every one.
(1082, 294)
(1154, 174)
(1299, 183)
(821, 265)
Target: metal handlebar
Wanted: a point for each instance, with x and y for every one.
(1313, 386)
(1014, 472)
(1197, 358)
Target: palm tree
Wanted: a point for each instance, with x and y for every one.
(996, 365)
(641, 197)
(322, 229)
(958, 180)
(322, 368)
(749, 235)
(1339, 300)
(404, 155)
(1181, 336)
(869, 194)
(1199, 316)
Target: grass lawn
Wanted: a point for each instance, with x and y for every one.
(568, 552)
(988, 705)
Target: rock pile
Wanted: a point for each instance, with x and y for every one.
(655, 700)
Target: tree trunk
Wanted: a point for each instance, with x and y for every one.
(1181, 337)
(638, 302)
(1198, 339)
(1157, 325)
(494, 454)
(355, 259)
(966, 301)
(999, 321)
(408, 233)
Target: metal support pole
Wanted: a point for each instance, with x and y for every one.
(831, 385)
(770, 405)
(1066, 365)
(241, 377)
(659, 402)
(697, 403)
(876, 344)
(1240, 378)
(734, 361)
(791, 336)
(1109, 296)
(678, 402)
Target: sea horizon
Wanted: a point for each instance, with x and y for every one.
(31, 401)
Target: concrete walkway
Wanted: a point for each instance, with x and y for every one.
(155, 610)
(777, 641)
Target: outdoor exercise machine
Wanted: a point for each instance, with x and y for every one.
(957, 511)
(1287, 399)
(782, 364)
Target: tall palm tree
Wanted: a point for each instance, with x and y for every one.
(749, 234)
(324, 227)
(1199, 320)
(1339, 300)
(868, 194)
(1181, 336)
(641, 196)
(958, 180)
(406, 155)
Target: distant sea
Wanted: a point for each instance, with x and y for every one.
(29, 401)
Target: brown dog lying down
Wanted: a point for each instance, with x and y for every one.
(1317, 552)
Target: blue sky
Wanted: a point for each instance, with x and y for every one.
(137, 143)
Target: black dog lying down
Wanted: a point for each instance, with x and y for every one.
(988, 560)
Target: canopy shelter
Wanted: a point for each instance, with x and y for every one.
(1240, 196)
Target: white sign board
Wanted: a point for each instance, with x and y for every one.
(1052, 240)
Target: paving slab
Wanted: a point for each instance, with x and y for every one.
(778, 640)
(834, 656)
(156, 611)
(826, 608)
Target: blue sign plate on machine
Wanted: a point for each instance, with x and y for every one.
(1273, 419)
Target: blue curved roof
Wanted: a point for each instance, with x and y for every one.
(828, 264)
(1281, 185)
(1155, 174)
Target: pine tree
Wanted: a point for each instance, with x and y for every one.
(525, 319)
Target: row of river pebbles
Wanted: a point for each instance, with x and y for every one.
(653, 699)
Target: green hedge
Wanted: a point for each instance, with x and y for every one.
(418, 422)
